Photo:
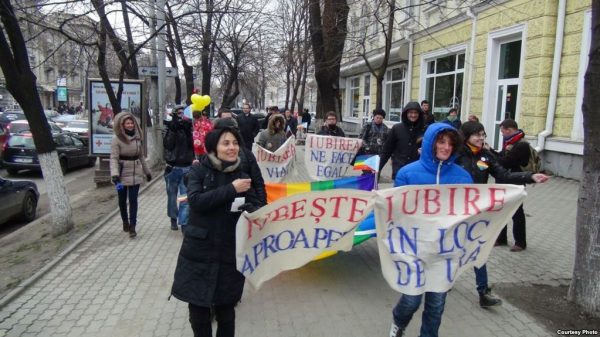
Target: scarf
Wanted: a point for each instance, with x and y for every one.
(130, 133)
(474, 149)
(509, 140)
(223, 165)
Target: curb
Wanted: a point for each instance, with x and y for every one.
(31, 280)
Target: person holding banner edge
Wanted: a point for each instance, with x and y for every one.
(481, 163)
(436, 165)
(206, 276)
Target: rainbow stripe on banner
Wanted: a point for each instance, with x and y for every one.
(365, 182)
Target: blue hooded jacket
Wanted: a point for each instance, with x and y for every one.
(428, 169)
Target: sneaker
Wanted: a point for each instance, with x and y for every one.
(487, 300)
(174, 224)
(396, 331)
(516, 248)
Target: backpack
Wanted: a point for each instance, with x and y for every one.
(534, 164)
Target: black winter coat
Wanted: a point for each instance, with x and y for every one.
(401, 143)
(178, 143)
(206, 271)
(480, 166)
(249, 128)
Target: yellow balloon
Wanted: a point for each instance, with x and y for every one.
(205, 100)
(197, 107)
(196, 99)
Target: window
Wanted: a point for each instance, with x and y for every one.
(444, 83)
(394, 93)
(354, 96)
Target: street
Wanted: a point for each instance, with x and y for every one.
(76, 180)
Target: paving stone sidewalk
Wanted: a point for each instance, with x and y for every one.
(112, 285)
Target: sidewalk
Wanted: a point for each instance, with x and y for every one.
(112, 285)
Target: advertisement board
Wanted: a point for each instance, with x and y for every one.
(101, 111)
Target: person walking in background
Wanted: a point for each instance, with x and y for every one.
(291, 123)
(374, 134)
(206, 275)
(201, 127)
(128, 167)
(401, 144)
(306, 119)
(330, 127)
(249, 126)
(435, 166)
(178, 146)
(481, 163)
(272, 111)
(274, 136)
(428, 117)
(452, 119)
(514, 155)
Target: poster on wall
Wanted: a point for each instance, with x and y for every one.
(101, 111)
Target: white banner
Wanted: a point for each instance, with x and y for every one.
(328, 157)
(276, 166)
(429, 234)
(292, 231)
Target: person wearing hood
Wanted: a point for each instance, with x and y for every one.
(401, 144)
(128, 167)
(274, 136)
(435, 166)
(206, 276)
(330, 128)
(480, 162)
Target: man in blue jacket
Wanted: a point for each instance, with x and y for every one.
(435, 166)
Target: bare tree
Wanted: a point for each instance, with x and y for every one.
(328, 21)
(21, 83)
(585, 284)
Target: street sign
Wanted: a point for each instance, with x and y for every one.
(61, 94)
(148, 71)
(171, 72)
(153, 71)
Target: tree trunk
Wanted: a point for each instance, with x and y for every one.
(22, 85)
(585, 284)
(328, 35)
(207, 49)
(379, 91)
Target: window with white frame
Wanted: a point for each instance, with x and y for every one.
(353, 96)
(444, 83)
(395, 81)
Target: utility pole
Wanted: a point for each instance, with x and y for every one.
(160, 54)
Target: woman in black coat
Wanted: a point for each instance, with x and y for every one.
(206, 274)
(480, 162)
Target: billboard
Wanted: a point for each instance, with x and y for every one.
(101, 111)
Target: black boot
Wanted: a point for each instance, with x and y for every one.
(125, 226)
(132, 233)
(174, 224)
(486, 299)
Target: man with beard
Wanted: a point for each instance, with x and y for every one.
(401, 143)
(330, 128)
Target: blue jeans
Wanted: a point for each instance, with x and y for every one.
(481, 279)
(432, 313)
(132, 192)
(174, 184)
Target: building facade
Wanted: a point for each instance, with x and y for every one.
(520, 59)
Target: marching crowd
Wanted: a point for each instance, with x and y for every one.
(211, 162)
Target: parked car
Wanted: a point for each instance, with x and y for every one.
(18, 199)
(8, 116)
(19, 126)
(62, 120)
(81, 127)
(20, 153)
(3, 136)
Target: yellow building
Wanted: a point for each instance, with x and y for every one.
(520, 59)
